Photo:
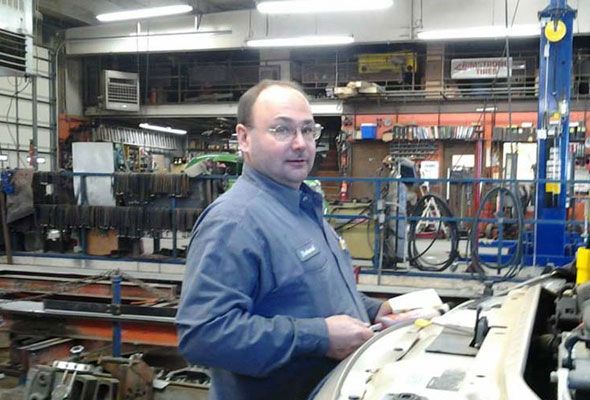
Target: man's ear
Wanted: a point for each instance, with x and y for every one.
(243, 138)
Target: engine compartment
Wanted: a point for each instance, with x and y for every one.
(528, 343)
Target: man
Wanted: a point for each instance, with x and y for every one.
(269, 299)
(408, 77)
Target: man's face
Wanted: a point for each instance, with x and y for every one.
(285, 161)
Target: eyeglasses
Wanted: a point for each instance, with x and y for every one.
(286, 132)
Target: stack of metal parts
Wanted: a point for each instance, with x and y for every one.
(142, 186)
(128, 221)
(113, 379)
(137, 137)
(418, 149)
(118, 378)
(53, 188)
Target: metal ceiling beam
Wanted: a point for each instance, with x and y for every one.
(85, 11)
(79, 11)
(319, 108)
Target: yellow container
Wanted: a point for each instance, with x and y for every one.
(582, 265)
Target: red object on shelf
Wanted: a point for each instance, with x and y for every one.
(343, 191)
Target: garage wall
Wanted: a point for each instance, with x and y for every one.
(16, 115)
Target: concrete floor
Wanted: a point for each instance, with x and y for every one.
(455, 281)
(10, 389)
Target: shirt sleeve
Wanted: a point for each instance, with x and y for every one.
(372, 305)
(215, 320)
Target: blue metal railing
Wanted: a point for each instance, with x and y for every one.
(376, 214)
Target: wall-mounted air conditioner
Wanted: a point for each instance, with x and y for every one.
(120, 90)
(16, 37)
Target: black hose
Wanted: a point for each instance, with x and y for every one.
(352, 222)
(513, 264)
(416, 257)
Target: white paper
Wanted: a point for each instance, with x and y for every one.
(463, 317)
(427, 298)
(97, 158)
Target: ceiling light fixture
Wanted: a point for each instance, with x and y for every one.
(317, 6)
(201, 34)
(144, 13)
(40, 160)
(158, 128)
(482, 32)
(301, 41)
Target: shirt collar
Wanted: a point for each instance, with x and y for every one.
(286, 194)
(290, 197)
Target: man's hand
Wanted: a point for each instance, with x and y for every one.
(346, 334)
(384, 310)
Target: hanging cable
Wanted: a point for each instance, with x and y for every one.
(514, 262)
(418, 258)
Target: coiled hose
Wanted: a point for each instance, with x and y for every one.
(416, 257)
(513, 264)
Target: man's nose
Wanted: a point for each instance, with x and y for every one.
(299, 141)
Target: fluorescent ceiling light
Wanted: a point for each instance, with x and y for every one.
(319, 6)
(3, 157)
(201, 34)
(144, 13)
(40, 160)
(481, 32)
(166, 129)
(300, 41)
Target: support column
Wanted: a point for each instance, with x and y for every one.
(275, 64)
(434, 73)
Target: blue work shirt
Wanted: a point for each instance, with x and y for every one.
(263, 271)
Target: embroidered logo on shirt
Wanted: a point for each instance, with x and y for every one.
(307, 251)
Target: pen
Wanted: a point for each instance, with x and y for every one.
(376, 327)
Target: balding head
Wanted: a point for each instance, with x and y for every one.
(248, 99)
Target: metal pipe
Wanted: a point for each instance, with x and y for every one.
(412, 25)
(17, 124)
(116, 280)
(379, 231)
(174, 229)
(586, 216)
(33, 161)
(53, 110)
(5, 230)
(508, 65)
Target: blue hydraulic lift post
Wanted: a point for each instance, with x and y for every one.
(555, 77)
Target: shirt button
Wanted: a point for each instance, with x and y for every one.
(306, 198)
